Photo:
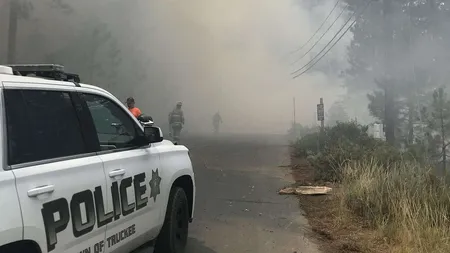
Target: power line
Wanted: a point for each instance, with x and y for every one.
(315, 44)
(337, 33)
(318, 29)
(323, 49)
(342, 35)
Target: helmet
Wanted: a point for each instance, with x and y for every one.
(144, 118)
(179, 104)
(130, 100)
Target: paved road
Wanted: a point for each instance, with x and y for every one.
(238, 209)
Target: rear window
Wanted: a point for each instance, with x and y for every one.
(41, 125)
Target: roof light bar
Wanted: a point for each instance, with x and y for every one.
(48, 71)
(6, 70)
(37, 67)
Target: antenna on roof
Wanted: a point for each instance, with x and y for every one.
(48, 71)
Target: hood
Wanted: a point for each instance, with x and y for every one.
(165, 143)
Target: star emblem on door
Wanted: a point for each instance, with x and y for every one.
(155, 182)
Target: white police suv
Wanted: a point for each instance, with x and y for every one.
(80, 174)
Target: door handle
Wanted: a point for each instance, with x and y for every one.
(116, 173)
(41, 190)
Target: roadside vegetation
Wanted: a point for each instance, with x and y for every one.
(389, 195)
(385, 198)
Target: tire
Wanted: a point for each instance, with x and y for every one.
(174, 233)
(20, 246)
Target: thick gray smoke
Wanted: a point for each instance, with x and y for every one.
(230, 56)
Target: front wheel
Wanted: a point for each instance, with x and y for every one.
(174, 233)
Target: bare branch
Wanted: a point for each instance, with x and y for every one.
(446, 145)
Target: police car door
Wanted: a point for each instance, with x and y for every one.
(131, 174)
(59, 178)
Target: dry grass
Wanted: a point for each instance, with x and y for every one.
(407, 206)
(335, 229)
(384, 197)
(401, 209)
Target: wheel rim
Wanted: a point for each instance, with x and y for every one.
(181, 228)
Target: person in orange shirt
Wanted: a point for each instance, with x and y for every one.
(134, 110)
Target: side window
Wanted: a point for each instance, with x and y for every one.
(115, 128)
(41, 125)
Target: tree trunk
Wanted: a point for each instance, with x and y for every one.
(410, 124)
(444, 147)
(12, 31)
(389, 115)
(388, 91)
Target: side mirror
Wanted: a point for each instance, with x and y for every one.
(153, 134)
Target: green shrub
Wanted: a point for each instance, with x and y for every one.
(308, 145)
(341, 144)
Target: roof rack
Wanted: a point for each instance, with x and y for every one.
(48, 71)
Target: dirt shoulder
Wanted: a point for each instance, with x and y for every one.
(333, 228)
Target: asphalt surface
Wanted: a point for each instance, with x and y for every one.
(237, 207)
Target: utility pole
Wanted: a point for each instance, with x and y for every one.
(389, 118)
(293, 101)
(321, 118)
(294, 127)
(321, 114)
(12, 31)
